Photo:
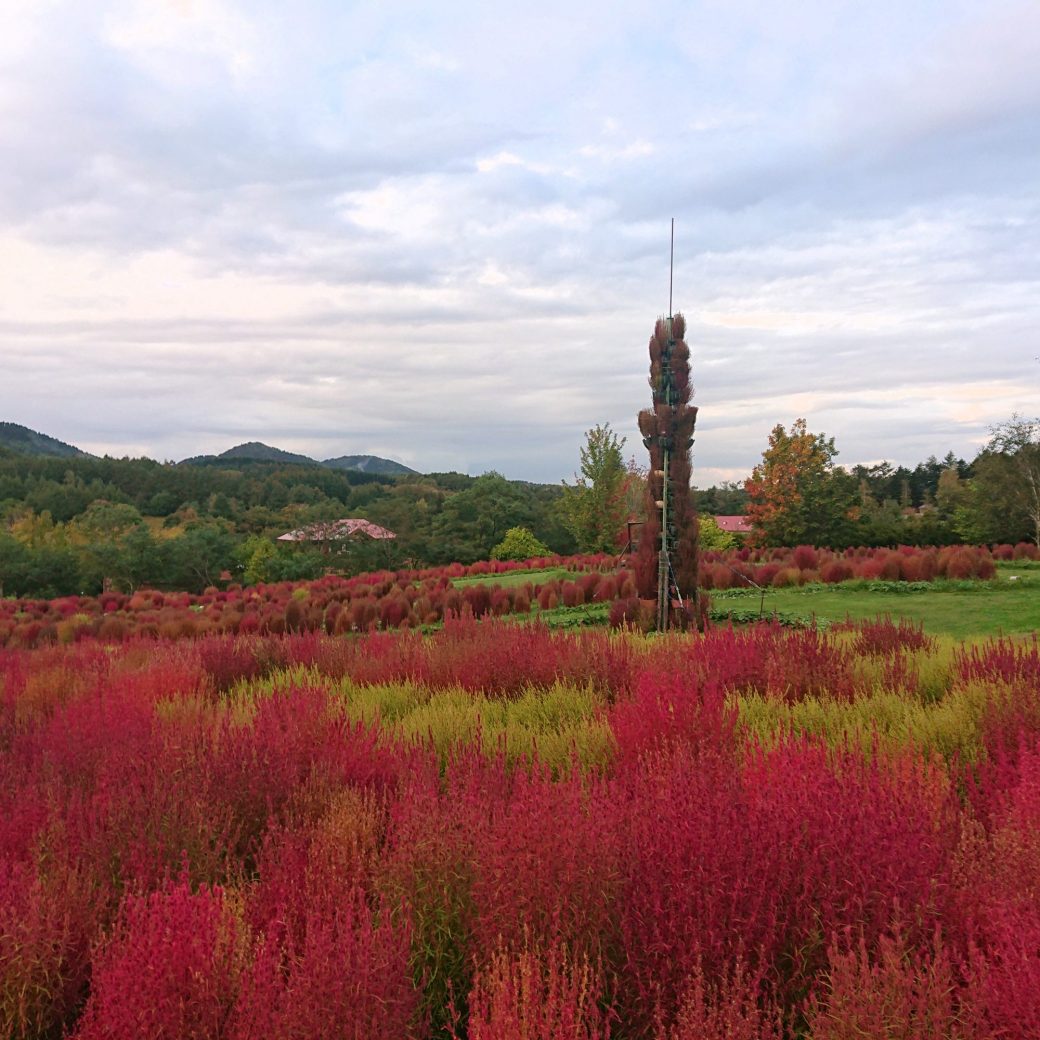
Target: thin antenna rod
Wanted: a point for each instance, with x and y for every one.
(671, 268)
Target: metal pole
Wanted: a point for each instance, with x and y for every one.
(664, 563)
(663, 596)
(671, 269)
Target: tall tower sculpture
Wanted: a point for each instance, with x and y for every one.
(666, 562)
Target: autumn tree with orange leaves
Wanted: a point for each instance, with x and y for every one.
(797, 496)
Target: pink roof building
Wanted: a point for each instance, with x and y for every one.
(734, 524)
(336, 530)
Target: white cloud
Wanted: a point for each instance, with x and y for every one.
(442, 234)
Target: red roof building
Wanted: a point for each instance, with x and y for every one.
(336, 530)
(734, 524)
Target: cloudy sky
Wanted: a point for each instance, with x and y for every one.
(439, 232)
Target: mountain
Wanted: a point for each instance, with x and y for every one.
(255, 451)
(29, 442)
(368, 464)
(265, 453)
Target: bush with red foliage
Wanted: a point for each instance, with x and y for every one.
(537, 994)
(546, 868)
(348, 975)
(694, 883)
(895, 989)
(736, 1008)
(171, 968)
(883, 636)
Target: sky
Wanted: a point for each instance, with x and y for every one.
(439, 232)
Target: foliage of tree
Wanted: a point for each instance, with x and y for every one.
(254, 556)
(796, 495)
(84, 520)
(475, 520)
(594, 507)
(909, 488)
(518, 544)
(1007, 481)
(725, 499)
(713, 538)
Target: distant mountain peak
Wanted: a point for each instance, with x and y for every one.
(265, 453)
(257, 451)
(29, 442)
(368, 464)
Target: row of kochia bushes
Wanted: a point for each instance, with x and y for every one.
(409, 598)
(504, 833)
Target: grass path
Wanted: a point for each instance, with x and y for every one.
(1008, 605)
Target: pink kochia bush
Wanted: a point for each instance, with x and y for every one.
(199, 839)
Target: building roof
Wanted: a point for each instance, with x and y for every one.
(734, 524)
(336, 530)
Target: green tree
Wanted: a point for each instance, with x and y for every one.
(518, 544)
(713, 538)
(594, 507)
(42, 571)
(1007, 481)
(473, 521)
(725, 499)
(254, 555)
(199, 555)
(796, 495)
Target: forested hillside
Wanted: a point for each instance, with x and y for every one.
(71, 524)
(68, 524)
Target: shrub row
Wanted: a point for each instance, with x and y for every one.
(414, 599)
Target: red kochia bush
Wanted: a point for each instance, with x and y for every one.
(764, 863)
(1002, 997)
(537, 994)
(171, 969)
(805, 558)
(894, 990)
(883, 636)
(348, 976)
(835, 571)
(734, 1009)
(292, 737)
(47, 927)
(671, 710)
(546, 868)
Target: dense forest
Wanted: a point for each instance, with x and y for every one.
(68, 524)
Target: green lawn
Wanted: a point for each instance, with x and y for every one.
(517, 577)
(999, 607)
(960, 609)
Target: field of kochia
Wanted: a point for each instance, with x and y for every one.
(422, 598)
(504, 832)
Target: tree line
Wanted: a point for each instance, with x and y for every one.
(798, 495)
(68, 525)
